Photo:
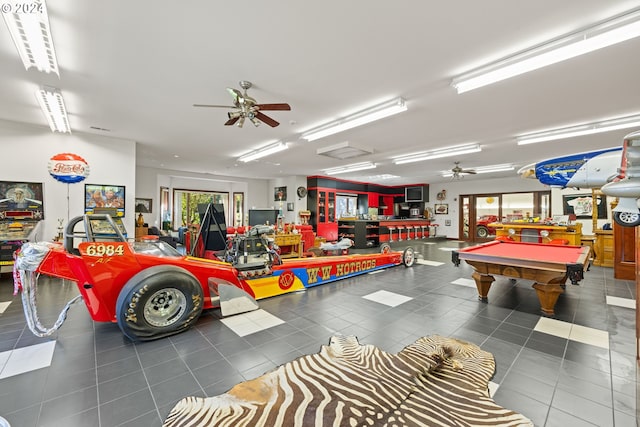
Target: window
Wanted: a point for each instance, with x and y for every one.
(185, 204)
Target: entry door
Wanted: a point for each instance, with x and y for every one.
(487, 211)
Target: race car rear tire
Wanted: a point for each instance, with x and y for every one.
(482, 232)
(157, 302)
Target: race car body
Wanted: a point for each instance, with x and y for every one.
(152, 291)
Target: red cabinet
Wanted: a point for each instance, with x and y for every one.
(322, 204)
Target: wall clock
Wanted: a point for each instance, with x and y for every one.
(301, 191)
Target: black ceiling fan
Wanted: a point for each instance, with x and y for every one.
(247, 107)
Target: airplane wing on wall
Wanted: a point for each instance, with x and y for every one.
(592, 169)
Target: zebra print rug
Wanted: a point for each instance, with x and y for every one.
(435, 381)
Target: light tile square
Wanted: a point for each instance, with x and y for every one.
(28, 359)
(465, 282)
(553, 327)
(448, 249)
(4, 305)
(617, 301)
(427, 262)
(493, 387)
(590, 336)
(387, 298)
(428, 243)
(251, 322)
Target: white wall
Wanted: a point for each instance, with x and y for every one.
(502, 185)
(26, 151)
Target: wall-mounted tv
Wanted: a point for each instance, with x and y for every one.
(413, 194)
(104, 196)
(263, 216)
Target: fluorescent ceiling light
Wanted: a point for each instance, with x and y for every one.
(263, 152)
(350, 168)
(484, 169)
(377, 112)
(580, 130)
(603, 34)
(435, 154)
(31, 35)
(52, 104)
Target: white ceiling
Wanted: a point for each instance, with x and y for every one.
(137, 67)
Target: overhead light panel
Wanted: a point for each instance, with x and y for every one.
(263, 152)
(28, 24)
(580, 130)
(484, 169)
(436, 154)
(350, 168)
(377, 112)
(616, 30)
(52, 104)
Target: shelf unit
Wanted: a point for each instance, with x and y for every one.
(322, 204)
(365, 234)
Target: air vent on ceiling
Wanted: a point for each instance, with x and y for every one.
(344, 150)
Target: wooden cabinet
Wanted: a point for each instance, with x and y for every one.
(142, 231)
(365, 234)
(624, 252)
(322, 204)
(290, 245)
(532, 232)
(604, 248)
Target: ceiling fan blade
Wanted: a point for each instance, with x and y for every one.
(231, 121)
(470, 172)
(215, 106)
(266, 119)
(274, 107)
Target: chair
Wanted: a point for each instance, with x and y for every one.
(416, 229)
(391, 231)
(400, 230)
(424, 228)
(409, 228)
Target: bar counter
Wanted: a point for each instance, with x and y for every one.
(417, 227)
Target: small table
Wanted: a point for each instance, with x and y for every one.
(290, 244)
(548, 265)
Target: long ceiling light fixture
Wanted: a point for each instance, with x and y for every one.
(606, 33)
(28, 24)
(52, 104)
(484, 169)
(435, 154)
(377, 112)
(580, 130)
(263, 152)
(350, 168)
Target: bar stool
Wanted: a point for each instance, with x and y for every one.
(408, 228)
(400, 230)
(391, 230)
(424, 227)
(435, 229)
(416, 229)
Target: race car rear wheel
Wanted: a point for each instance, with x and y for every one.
(157, 302)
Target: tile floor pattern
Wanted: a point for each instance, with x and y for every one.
(574, 369)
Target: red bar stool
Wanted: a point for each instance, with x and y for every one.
(424, 227)
(408, 228)
(391, 231)
(400, 230)
(416, 230)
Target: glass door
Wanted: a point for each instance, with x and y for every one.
(487, 212)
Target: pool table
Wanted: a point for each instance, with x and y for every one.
(548, 266)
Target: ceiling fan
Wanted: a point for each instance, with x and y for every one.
(248, 108)
(458, 171)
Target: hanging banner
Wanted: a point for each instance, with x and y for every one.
(68, 168)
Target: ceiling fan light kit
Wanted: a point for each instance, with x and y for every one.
(360, 118)
(263, 152)
(248, 108)
(481, 169)
(580, 130)
(438, 153)
(606, 33)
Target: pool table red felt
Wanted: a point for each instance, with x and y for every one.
(548, 266)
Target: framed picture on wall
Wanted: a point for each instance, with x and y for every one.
(581, 205)
(21, 200)
(280, 194)
(104, 196)
(441, 208)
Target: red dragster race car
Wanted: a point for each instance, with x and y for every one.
(151, 290)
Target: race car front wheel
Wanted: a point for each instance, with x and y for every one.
(157, 302)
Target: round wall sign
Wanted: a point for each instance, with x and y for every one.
(301, 191)
(68, 168)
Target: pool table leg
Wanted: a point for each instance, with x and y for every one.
(548, 295)
(483, 283)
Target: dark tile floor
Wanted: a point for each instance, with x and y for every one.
(575, 369)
